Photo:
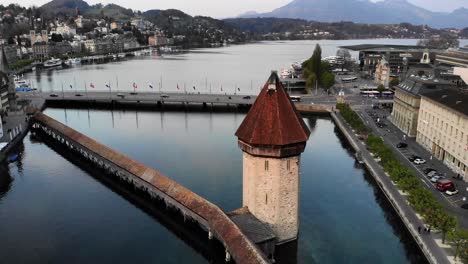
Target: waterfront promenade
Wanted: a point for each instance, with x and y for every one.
(434, 253)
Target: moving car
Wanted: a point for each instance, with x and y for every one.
(246, 97)
(401, 145)
(419, 161)
(53, 95)
(451, 191)
(437, 178)
(133, 93)
(121, 95)
(164, 96)
(78, 94)
(444, 185)
(413, 157)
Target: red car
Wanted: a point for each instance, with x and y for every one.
(444, 185)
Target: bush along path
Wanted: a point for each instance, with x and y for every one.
(419, 198)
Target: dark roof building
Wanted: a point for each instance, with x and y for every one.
(273, 123)
(399, 57)
(451, 98)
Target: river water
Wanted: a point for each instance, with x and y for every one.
(54, 210)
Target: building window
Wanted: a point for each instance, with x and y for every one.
(266, 198)
(266, 165)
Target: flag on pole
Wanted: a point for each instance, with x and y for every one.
(71, 86)
(135, 85)
(107, 85)
(178, 87)
(238, 89)
(194, 88)
(92, 85)
(221, 88)
(150, 86)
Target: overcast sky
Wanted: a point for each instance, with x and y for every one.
(230, 8)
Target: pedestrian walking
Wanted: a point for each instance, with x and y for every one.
(419, 229)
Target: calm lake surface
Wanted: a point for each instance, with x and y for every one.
(53, 210)
(242, 66)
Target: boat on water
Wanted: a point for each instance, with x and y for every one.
(334, 60)
(121, 55)
(73, 61)
(52, 63)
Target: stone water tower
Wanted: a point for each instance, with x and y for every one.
(272, 138)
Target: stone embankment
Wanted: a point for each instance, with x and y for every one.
(429, 247)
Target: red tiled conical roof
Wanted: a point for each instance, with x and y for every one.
(273, 119)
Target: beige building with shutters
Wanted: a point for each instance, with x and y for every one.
(443, 128)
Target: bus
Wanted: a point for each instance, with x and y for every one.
(370, 93)
(295, 98)
(350, 79)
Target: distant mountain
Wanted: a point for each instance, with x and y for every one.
(365, 11)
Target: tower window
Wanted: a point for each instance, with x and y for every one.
(266, 165)
(288, 165)
(266, 198)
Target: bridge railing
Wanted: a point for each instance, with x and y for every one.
(209, 216)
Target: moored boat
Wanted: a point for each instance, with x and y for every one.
(52, 63)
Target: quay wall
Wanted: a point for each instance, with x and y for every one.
(399, 204)
(209, 216)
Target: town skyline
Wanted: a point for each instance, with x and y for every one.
(227, 9)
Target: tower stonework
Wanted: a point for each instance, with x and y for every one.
(272, 137)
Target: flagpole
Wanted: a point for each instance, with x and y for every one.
(86, 89)
(63, 93)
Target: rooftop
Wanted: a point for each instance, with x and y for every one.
(273, 119)
(383, 47)
(451, 98)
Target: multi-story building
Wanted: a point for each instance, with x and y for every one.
(407, 99)
(40, 50)
(38, 37)
(454, 57)
(443, 127)
(399, 57)
(4, 85)
(382, 73)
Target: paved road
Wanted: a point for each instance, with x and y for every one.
(403, 209)
(392, 136)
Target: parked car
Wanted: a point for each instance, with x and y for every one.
(381, 125)
(164, 96)
(78, 94)
(432, 174)
(401, 145)
(53, 95)
(451, 191)
(444, 185)
(121, 95)
(427, 170)
(414, 157)
(464, 206)
(419, 161)
(135, 93)
(246, 97)
(436, 178)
